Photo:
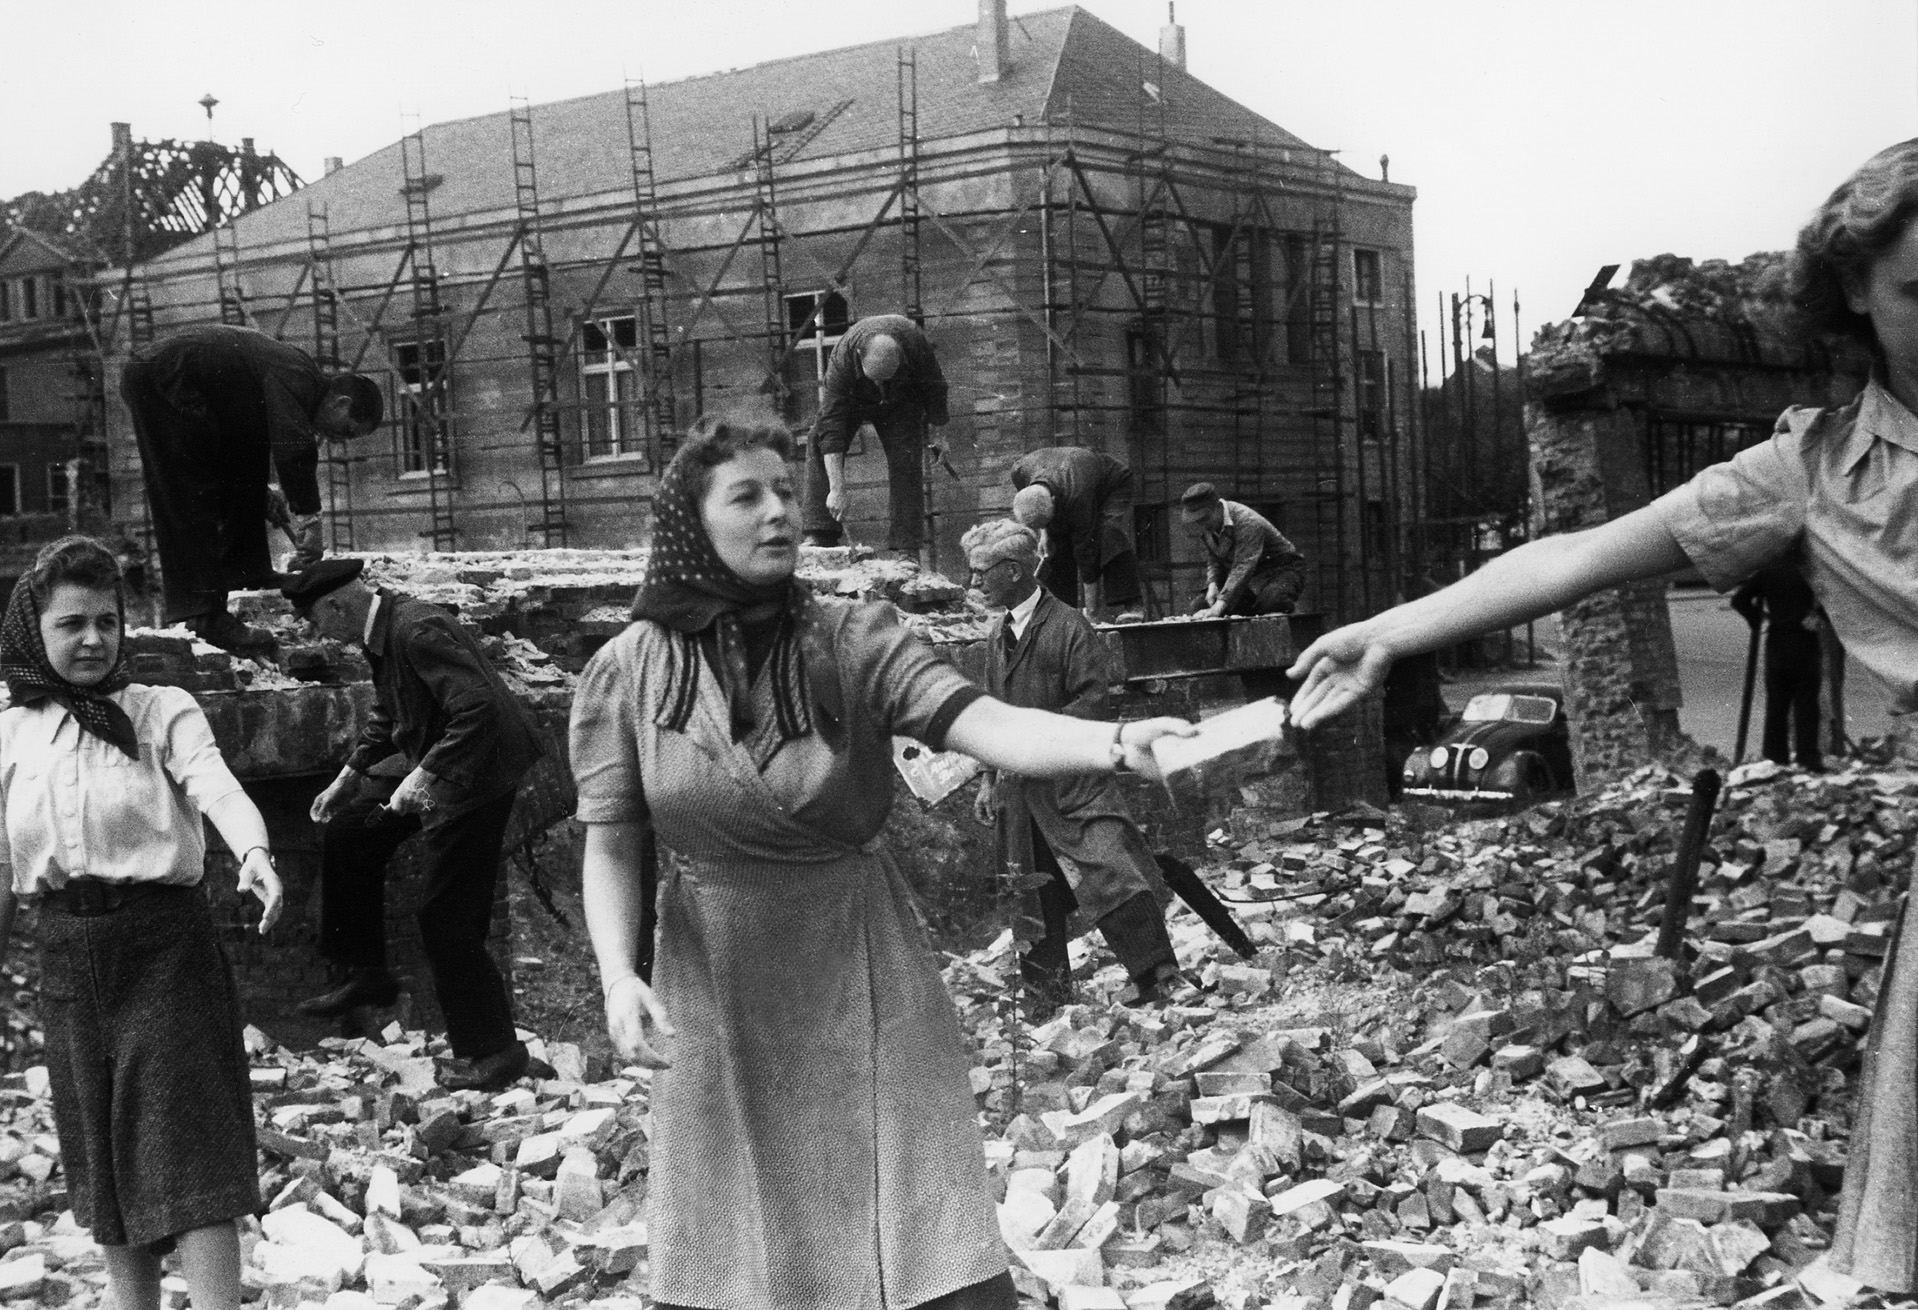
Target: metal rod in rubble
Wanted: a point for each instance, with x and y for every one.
(1683, 884)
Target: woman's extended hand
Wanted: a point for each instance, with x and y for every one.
(985, 806)
(1137, 738)
(1338, 670)
(258, 876)
(630, 1004)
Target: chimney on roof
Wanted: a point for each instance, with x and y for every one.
(122, 140)
(1172, 39)
(994, 46)
(332, 164)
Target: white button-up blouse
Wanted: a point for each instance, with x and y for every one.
(76, 806)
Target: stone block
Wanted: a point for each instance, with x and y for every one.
(1415, 1289)
(1563, 1238)
(1241, 1215)
(1601, 1274)
(576, 1190)
(1636, 985)
(1393, 1258)
(1465, 1131)
(1716, 1207)
(1622, 1134)
(1059, 1270)
(1092, 1171)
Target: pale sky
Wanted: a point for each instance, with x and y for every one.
(1545, 138)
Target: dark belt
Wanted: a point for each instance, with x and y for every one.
(88, 898)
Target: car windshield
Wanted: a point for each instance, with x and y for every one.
(1503, 706)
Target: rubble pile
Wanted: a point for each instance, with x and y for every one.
(1457, 1074)
(1454, 1075)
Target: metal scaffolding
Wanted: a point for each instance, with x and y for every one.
(425, 419)
(541, 353)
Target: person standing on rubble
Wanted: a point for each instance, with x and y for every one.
(442, 754)
(1834, 493)
(1780, 600)
(885, 372)
(214, 408)
(103, 785)
(1078, 498)
(815, 1141)
(1041, 654)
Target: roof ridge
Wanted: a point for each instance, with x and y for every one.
(1073, 10)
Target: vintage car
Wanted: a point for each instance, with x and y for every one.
(1509, 748)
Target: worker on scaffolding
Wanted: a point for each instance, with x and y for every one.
(1079, 499)
(1250, 568)
(883, 372)
(1042, 654)
(215, 409)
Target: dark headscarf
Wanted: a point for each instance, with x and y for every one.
(30, 677)
(690, 590)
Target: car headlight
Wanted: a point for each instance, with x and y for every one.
(1438, 758)
(1479, 758)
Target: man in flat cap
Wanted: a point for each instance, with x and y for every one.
(1250, 568)
(458, 742)
(1042, 654)
(214, 408)
(882, 372)
(1080, 498)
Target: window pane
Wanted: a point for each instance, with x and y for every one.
(595, 414)
(626, 332)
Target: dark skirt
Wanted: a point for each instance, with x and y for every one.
(151, 1095)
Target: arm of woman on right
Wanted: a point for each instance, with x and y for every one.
(1529, 582)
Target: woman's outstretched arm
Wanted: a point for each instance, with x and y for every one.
(1040, 744)
(1527, 583)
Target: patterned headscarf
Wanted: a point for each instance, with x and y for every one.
(30, 677)
(689, 589)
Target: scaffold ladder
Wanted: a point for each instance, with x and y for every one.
(541, 345)
(429, 412)
(1328, 398)
(661, 410)
(87, 480)
(772, 278)
(326, 352)
(226, 273)
(911, 295)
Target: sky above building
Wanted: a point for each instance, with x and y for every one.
(1545, 137)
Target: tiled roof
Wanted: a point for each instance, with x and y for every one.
(1062, 62)
(25, 251)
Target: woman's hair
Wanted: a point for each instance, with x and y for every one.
(1864, 217)
(714, 439)
(81, 561)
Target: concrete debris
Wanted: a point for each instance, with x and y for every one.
(1462, 1077)
(1454, 1076)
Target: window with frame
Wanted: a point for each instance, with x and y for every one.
(814, 334)
(59, 487)
(1368, 277)
(1298, 299)
(1370, 366)
(58, 289)
(9, 488)
(6, 301)
(29, 297)
(611, 424)
(4, 412)
(422, 409)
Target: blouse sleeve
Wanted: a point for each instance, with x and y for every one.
(604, 737)
(1734, 518)
(908, 688)
(192, 758)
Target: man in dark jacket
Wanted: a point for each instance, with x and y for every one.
(1781, 599)
(1250, 568)
(459, 742)
(1042, 654)
(882, 372)
(1079, 498)
(213, 407)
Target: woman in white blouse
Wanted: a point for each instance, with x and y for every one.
(102, 788)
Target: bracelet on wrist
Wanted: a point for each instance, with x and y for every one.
(244, 855)
(1117, 749)
(607, 991)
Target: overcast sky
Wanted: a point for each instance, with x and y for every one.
(1545, 137)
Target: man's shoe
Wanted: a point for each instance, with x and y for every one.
(362, 987)
(1162, 984)
(488, 1073)
(221, 629)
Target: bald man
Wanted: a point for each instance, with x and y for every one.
(1080, 499)
(882, 372)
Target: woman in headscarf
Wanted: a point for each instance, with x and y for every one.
(1833, 494)
(815, 1143)
(103, 783)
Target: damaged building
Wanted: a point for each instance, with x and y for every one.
(1105, 251)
